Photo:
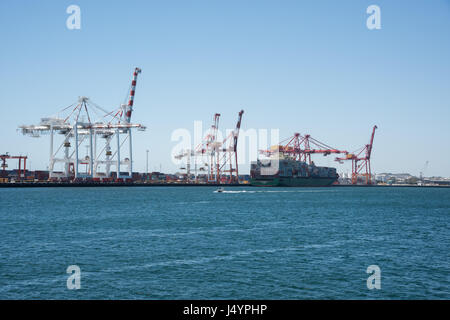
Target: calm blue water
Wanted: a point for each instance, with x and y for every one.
(192, 243)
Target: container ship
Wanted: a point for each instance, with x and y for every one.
(290, 173)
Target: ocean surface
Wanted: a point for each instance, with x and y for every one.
(245, 243)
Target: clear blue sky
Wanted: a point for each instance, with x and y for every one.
(307, 66)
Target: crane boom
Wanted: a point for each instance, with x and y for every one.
(235, 142)
(369, 147)
(299, 148)
(236, 131)
(129, 107)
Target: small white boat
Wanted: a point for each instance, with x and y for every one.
(220, 189)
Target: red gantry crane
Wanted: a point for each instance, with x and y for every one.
(210, 148)
(21, 171)
(301, 148)
(222, 158)
(361, 161)
(230, 152)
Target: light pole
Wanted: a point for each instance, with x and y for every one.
(146, 169)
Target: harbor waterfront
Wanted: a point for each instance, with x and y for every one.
(241, 243)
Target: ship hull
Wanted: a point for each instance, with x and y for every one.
(290, 173)
(293, 182)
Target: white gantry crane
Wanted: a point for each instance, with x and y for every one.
(82, 124)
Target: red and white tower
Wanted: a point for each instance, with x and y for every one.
(129, 107)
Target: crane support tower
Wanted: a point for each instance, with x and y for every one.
(83, 123)
(361, 161)
(21, 170)
(212, 147)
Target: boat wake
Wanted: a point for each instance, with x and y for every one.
(271, 191)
